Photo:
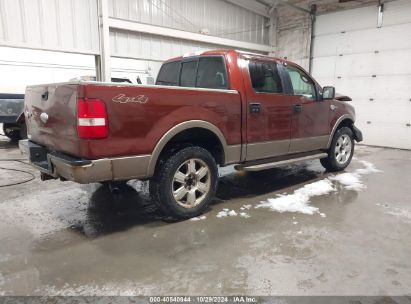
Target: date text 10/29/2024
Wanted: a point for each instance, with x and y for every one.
(204, 299)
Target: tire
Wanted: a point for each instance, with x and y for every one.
(341, 150)
(184, 182)
(12, 131)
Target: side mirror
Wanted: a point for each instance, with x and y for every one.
(328, 93)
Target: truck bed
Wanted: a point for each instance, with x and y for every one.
(138, 116)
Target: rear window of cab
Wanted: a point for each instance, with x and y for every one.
(199, 72)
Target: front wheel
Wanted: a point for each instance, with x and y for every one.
(185, 183)
(341, 150)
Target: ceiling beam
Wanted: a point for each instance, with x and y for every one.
(252, 6)
(285, 2)
(179, 34)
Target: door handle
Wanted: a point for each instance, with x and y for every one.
(255, 107)
(297, 108)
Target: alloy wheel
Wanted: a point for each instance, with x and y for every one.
(343, 149)
(191, 183)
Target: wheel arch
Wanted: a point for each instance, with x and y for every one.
(187, 130)
(345, 120)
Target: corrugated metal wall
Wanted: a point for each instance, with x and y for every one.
(152, 47)
(72, 26)
(220, 18)
(66, 25)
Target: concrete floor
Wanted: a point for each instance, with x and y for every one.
(67, 239)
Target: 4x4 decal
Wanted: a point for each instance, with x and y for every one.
(122, 98)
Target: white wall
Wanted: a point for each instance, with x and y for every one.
(292, 39)
(22, 67)
(372, 65)
(219, 18)
(71, 26)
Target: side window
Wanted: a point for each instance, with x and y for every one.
(188, 74)
(302, 84)
(169, 74)
(265, 77)
(212, 73)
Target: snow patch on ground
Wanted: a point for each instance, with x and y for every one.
(300, 199)
(232, 213)
(229, 213)
(350, 181)
(369, 168)
(198, 218)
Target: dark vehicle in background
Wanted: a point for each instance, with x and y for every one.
(12, 117)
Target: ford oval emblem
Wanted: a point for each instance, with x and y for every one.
(44, 117)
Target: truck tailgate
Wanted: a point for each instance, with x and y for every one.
(50, 112)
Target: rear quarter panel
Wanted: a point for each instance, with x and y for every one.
(136, 127)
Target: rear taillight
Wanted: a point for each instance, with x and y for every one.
(91, 119)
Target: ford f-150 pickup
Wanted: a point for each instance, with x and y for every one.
(206, 110)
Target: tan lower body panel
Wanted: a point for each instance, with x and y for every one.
(232, 154)
(130, 167)
(267, 149)
(308, 143)
(274, 148)
(122, 168)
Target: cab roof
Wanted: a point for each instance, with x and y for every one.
(224, 52)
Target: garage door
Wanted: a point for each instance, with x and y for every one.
(372, 65)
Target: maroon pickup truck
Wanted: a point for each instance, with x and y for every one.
(206, 110)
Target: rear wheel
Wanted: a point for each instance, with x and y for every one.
(341, 150)
(185, 182)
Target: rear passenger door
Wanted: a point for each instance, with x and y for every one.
(268, 111)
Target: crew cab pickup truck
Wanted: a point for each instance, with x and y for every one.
(206, 110)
